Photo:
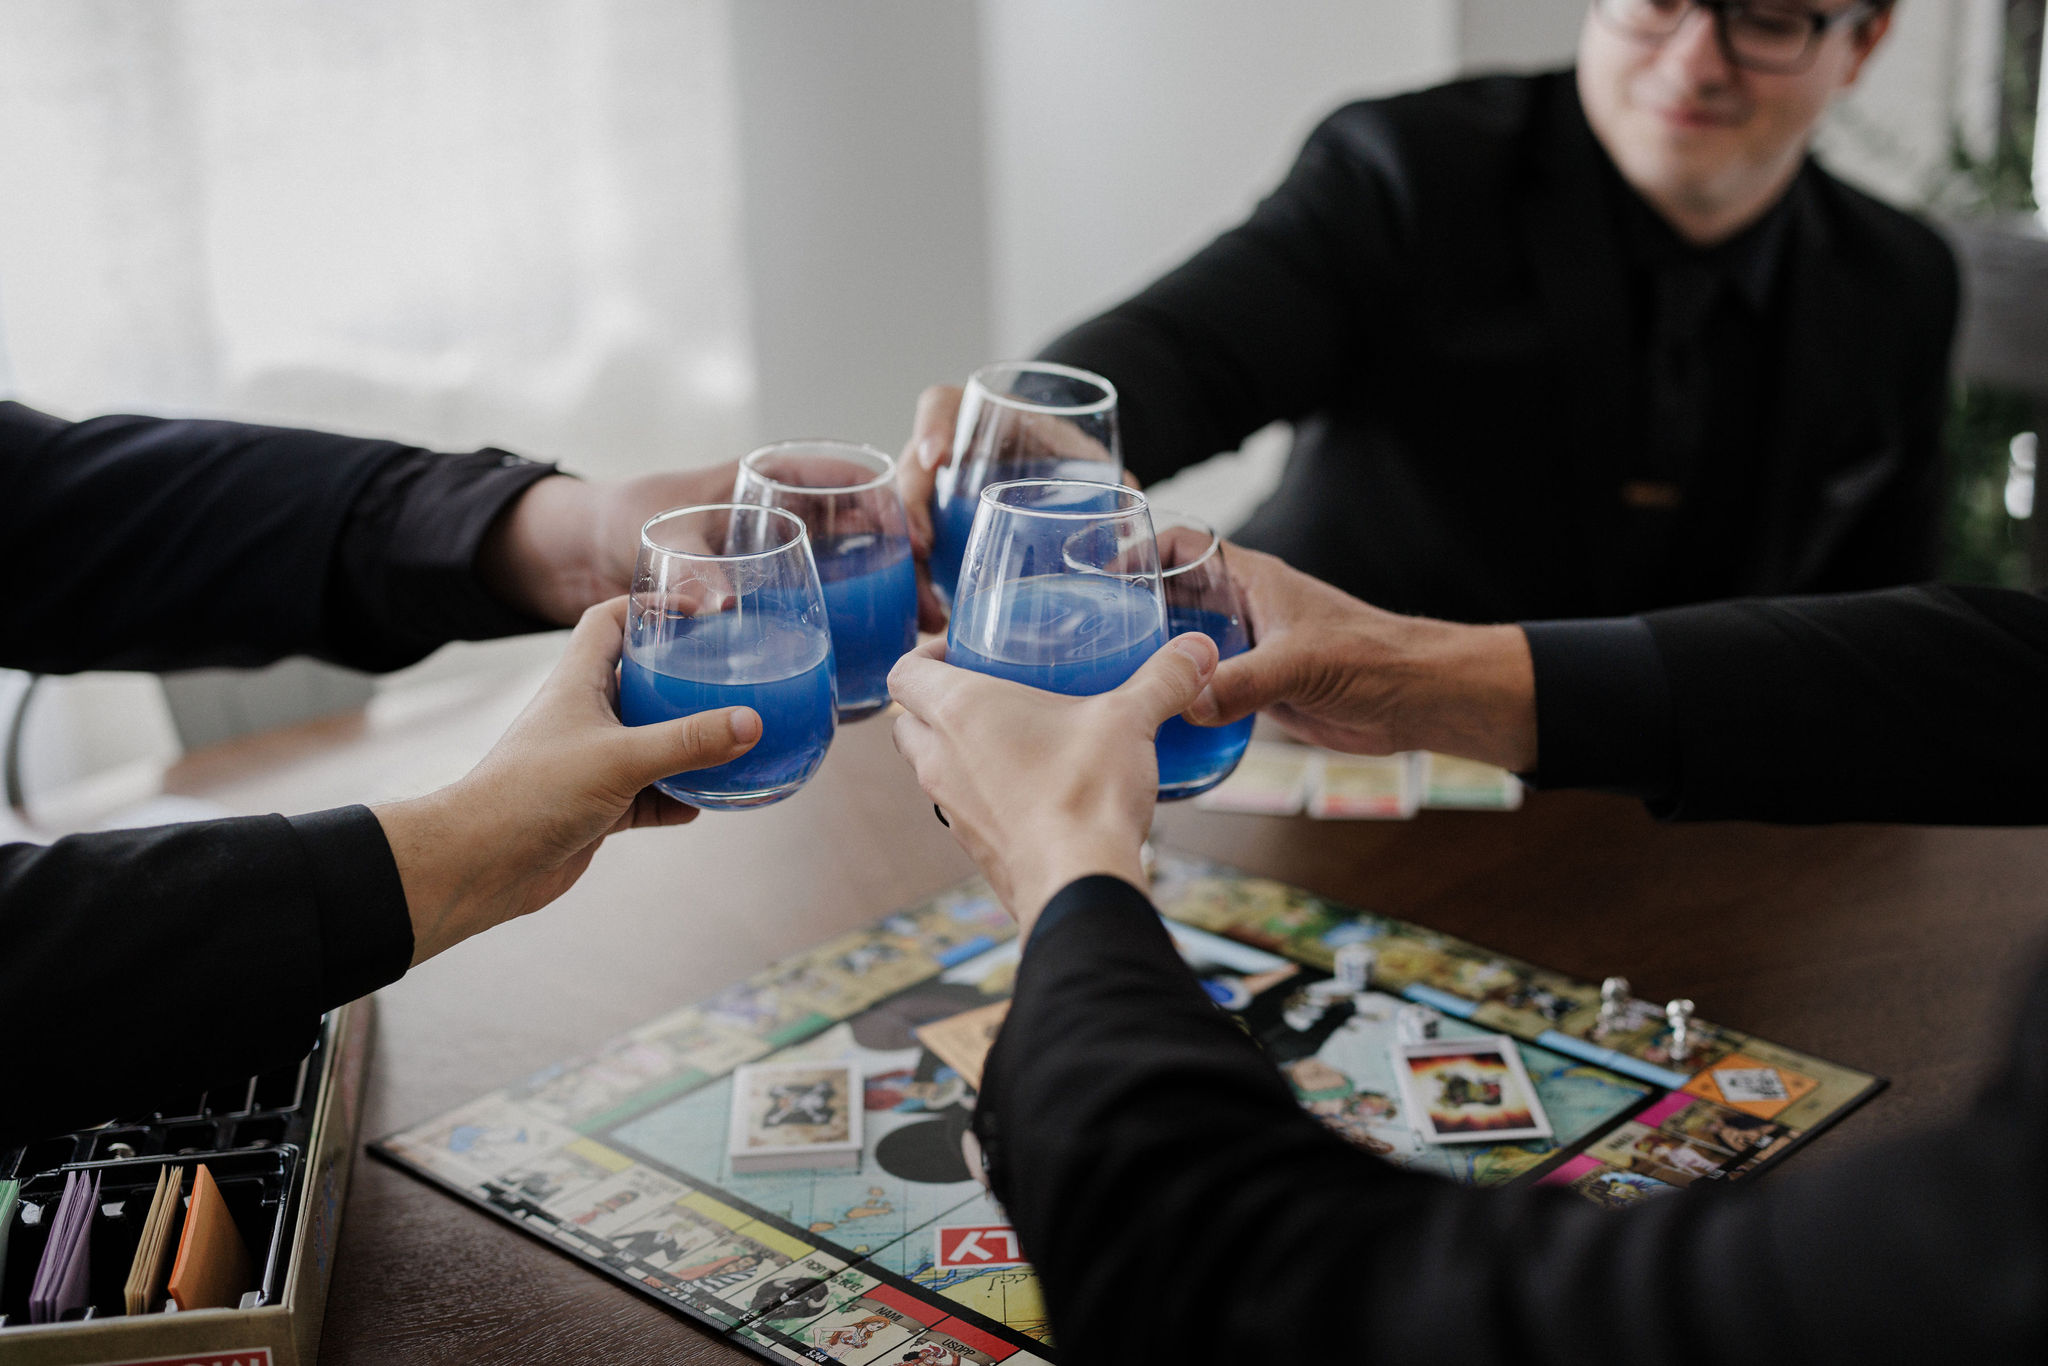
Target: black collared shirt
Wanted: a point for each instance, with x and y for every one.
(1708, 324)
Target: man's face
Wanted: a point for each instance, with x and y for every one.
(1690, 130)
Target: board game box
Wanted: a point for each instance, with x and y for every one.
(620, 1157)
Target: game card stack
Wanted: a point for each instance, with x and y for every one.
(796, 1117)
(1277, 778)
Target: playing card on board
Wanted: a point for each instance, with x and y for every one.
(962, 1041)
(1468, 1091)
(788, 1116)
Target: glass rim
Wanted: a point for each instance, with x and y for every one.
(982, 386)
(988, 492)
(849, 449)
(801, 537)
(1188, 519)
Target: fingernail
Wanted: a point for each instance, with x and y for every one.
(746, 725)
(928, 452)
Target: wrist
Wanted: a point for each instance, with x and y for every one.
(539, 557)
(1468, 691)
(452, 886)
(1066, 861)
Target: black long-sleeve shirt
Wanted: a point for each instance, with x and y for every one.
(1150, 1155)
(144, 543)
(1516, 394)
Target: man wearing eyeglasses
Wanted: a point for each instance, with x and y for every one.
(1568, 344)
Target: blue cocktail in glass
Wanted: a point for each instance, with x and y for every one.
(1020, 420)
(1060, 587)
(846, 495)
(727, 611)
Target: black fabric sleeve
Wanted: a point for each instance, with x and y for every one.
(1258, 325)
(155, 544)
(1925, 705)
(1179, 1206)
(1898, 539)
(1603, 710)
(405, 578)
(139, 967)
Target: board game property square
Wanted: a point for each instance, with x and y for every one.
(1751, 1085)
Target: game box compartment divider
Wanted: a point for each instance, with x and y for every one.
(298, 1259)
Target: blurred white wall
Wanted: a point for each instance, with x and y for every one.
(1123, 134)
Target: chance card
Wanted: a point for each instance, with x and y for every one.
(1468, 1091)
(793, 1115)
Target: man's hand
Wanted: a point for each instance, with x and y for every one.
(522, 826)
(1339, 673)
(565, 545)
(1039, 788)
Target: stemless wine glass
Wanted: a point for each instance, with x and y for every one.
(727, 611)
(1020, 420)
(846, 495)
(1200, 596)
(1059, 587)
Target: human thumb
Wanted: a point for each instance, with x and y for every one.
(704, 740)
(1169, 680)
(1242, 685)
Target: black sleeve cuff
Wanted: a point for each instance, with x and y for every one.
(365, 928)
(1603, 708)
(1097, 890)
(407, 576)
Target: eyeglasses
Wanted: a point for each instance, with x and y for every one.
(1757, 35)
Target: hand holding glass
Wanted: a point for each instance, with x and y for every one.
(727, 611)
(1020, 420)
(845, 494)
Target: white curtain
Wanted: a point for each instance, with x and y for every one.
(453, 221)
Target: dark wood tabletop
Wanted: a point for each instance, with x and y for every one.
(1897, 951)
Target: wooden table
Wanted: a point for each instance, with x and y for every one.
(1893, 950)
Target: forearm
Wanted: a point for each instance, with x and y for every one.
(1918, 705)
(162, 544)
(139, 965)
(1468, 691)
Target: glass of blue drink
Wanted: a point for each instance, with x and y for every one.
(1200, 596)
(845, 493)
(1059, 588)
(1020, 420)
(727, 611)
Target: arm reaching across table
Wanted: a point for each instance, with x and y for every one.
(1860, 706)
(156, 543)
(141, 964)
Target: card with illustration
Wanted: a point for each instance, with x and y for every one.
(962, 1041)
(787, 1116)
(1468, 1091)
